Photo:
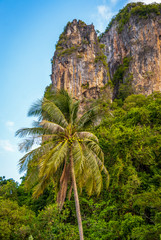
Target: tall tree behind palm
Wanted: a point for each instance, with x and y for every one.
(67, 154)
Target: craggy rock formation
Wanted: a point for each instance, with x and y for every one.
(79, 64)
(83, 65)
(140, 39)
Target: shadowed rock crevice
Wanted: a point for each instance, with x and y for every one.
(84, 63)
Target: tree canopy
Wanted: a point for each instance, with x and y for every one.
(68, 154)
(130, 137)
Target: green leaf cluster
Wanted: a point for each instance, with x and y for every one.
(134, 9)
(123, 85)
(131, 140)
(130, 136)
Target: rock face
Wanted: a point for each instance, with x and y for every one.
(77, 62)
(83, 65)
(140, 40)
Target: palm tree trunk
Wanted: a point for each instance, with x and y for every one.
(76, 199)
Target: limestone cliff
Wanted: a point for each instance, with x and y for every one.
(129, 52)
(79, 64)
(139, 38)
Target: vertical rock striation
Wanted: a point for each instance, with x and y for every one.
(128, 51)
(140, 39)
(79, 65)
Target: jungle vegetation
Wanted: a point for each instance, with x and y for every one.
(67, 154)
(130, 138)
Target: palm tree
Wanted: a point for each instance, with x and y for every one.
(67, 154)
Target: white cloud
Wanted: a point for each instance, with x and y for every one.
(10, 125)
(114, 1)
(104, 12)
(103, 16)
(146, 1)
(7, 146)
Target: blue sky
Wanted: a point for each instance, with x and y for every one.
(29, 30)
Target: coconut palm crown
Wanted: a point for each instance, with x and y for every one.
(67, 154)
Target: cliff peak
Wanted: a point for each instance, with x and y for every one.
(135, 33)
(79, 64)
(128, 53)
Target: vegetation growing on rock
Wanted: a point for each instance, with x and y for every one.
(122, 84)
(134, 9)
(130, 137)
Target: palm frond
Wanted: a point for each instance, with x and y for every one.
(58, 130)
(44, 159)
(105, 171)
(88, 118)
(74, 106)
(63, 101)
(33, 156)
(49, 137)
(83, 177)
(32, 175)
(54, 112)
(36, 124)
(93, 146)
(36, 109)
(78, 157)
(52, 137)
(39, 188)
(89, 184)
(58, 157)
(91, 163)
(90, 177)
(87, 135)
(50, 166)
(53, 127)
(36, 131)
(26, 145)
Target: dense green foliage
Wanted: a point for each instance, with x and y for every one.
(67, 156)
(130, 136)
(134, 9)
(131, 142)
(122, 84)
